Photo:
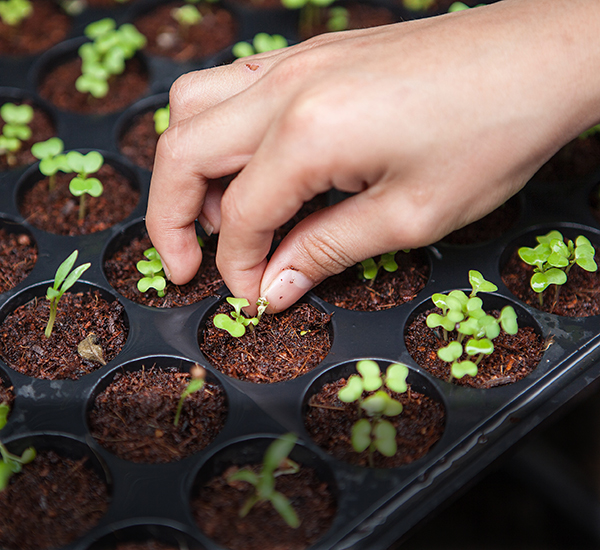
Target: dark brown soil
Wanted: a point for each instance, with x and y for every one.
(329, 422)
(139, 140)
(350, 291)
(514, 356)
(281, 347)
(58, 211)
(45, 27)
(18, 254)
(308, 208)
(42, 129)
(578, 297)
(58, 87)
(215, 32)
(110, 4)
(53, 501)
(25, 348)
(133, 417)
(123, 275)
(148, 545)
(217, 504)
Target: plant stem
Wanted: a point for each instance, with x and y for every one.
(82, 207)
(51, 318)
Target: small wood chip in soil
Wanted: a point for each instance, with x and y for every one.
(18, 255)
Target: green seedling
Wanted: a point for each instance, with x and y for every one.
(553, 258)
(196, 384)
(161, 119)
(312, 13)
(236, 323)
(474, 329)
(52, 159)
(10, 463)
(370, 267)
(187, 16)
(262, 42)
(4, 410)
(275, 463)
(417, 5)
(338, 19)
(15, 129)
(373, 432)
(590, 132)
(14, 12)
(64, 279)
(460, 6)
(82, 185)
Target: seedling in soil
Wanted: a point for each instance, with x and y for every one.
(187, 16)
(553, 258)
(463, 317)
(15, 130)
(4, 410)
(417, 5)
(14, 12)
(52, 159)
(196, 384)
(82, 185)
(161, 119)
(237, 323)
(63, 281)
(105, 56)
(275, 463)
(370, 267)
(373, 432)
(10, 463)
(262, 42)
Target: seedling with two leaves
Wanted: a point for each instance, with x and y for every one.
(11, 463)
(236, 322)
(387, 261)
(262, 42)
(14, 12)
(51, 157)
(82, 184)
(464, 317)
(198, 375)
(373, 432)
(16, 129)
(314, 12)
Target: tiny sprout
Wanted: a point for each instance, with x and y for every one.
(275, 463)
(153, 273)
(460, 6)
(13, 12)
(161, 119)
(52, 160)
(417, 5)
(13, 464)
(81, 184)
(262, 42)
(186, 15)
(311, 12)
(370, 267)
(63, 281)
(339, 18)
(196, 384)
(15, 130)
(237, 323)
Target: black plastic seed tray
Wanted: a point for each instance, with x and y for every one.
(375, 507)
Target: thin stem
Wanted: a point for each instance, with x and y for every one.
(51, 318)
(82, 207)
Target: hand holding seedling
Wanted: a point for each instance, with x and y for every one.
(236, 322)
(423, 143)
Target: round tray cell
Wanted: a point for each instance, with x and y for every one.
(146, 537)
(349, 289)
(46, 26)
(55, 499)
(216, 501)
(214, 31)
(136, 135)
(133, 411)
(50, 205)
(281, 347)
(42, 127)
(513, 358)
(59, 68)
(329, 421)
(578, 297)
(127, 249)
(90, 330)
(18, 254)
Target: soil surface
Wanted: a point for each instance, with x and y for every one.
(350, 291)
(139, 140)
(281, 347)
(217, 504)
(329, 422)
(57, 211)
(133, 417)
(148, 545)
(46, 26)
(42, 129)
(53, 501)
(578, 297)
(514, 356)
(18, 254)
(25, 348)
(58, 87)
(123, 275)
(216, 31)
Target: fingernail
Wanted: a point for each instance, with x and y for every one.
(287, 288)
(166, 270)
(206, 225)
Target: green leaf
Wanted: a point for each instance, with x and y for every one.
(47, 149)
(225, 322)
(479, 283)
(64, 268)
(451, 352)
(149, 268)
(464, 368)
(238, 304)
(475, 347)
(244, 474)
(100, 27)
(369, 268)
(541, 281)
(97, 87)
(284, 509)
(508, 320)
(395, 377)
(490, 326)
(392, 407)
(92, 186)
(16, 114)
(532, 256)
(549, 237)
(157, 282)
(74, 276)
(434, 320)
(376, 403)
(4, 410)
(388, 260)
(19, 131)
(242, 49)
(161, 119)
(470, 327)
(361, 435)
(385, 438)
(352, 390)
(278, 451)
(370, 373)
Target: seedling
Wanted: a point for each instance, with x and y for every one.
(370, 267)
(63, 281)
(275, 463)
(590, 132)
(161, 119)
(186, 15)
(554, 257)
(10, 463)
(237, 323)
(339, 19)
(262, 42)
(460, 6)
(417, 5)
(82, 185)
(373, 432)
(15, 130)
(464, 316)
(14, 12)
(312, 13)
(196, 384)
(52, 159)
(4, 410)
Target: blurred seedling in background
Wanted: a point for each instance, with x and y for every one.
(460, 6)
(373, 432)
(10, 463)
(186, 16)
(16, 129)
(314, 13)
(64, 279)
(105, 56)
(261, 43)
(82, 184)
(553, 258)
(14, 12)
(590, 132)
(51, 157)
(236, 322)
(198, 375)
(370, 268)
(275, 463)
(417, 5)
(467, 327)
(161, 119)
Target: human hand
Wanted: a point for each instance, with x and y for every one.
(431, 123)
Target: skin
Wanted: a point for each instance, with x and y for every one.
(431, 123)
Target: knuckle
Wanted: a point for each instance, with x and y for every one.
(180, 92)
